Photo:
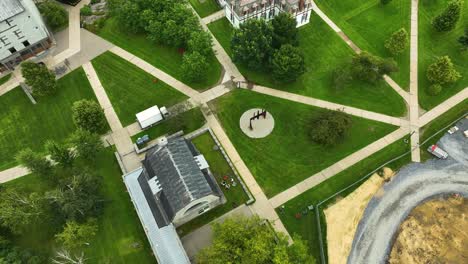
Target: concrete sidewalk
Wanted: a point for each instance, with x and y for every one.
(213, 17)
(336, 168)
(13, 173)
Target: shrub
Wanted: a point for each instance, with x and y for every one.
(39, 78)
(330, 127)
(89, 115)
(55, 16)
(86, 10)
(434, 89)
(398, 42)
(442, 71)
(287, 64)
(448, 19)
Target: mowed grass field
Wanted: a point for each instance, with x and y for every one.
(368, 23)
(164, 58)
(288, 155)
(433, 44)
(130, 89)
(24, 125)
(119, 226)
(323, 51)
(306, 225)
(205, 8)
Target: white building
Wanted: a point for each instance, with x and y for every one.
(23, 33)
(239, 11)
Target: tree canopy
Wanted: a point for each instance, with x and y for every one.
(447, 20)
(250, 240)
(87, 144)
(252, 43)
(55, 16)
(194, 66)
(35, 162)
(463, 40)
(284, 30)
(88, 115)
(398, 42)
(287, 63)
(39, 78)
(442, 71)
(76, 234)
(330, 127)
(371, 68)
(60, 153)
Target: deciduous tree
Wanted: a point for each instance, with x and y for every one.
(330, 127)
(284, 30)
(39, 78)
(75, 235)
(447, 20)
(251, 43)
(249, 240)
(55, 16)
(371, 68)
(88, 115)
(201, 42)
(287, 64)
(194, 67)
(398, 42)
(87, 144)
(442, 71)
(463, 40)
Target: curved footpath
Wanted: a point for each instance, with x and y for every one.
(413, 185)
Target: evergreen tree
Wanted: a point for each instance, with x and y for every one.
(448, 19)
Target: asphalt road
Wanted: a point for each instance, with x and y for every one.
(413, 185)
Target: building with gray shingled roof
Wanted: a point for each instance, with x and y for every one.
(173, 186)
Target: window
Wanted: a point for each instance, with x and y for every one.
(12, 50)
(26, 43)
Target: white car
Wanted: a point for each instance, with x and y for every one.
(453, 130)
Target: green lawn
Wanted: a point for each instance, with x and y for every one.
(442, 121)
(188, 121)
(23, 124)
(306, 226)
(288, 156)
(5, 78)
(369, 24)
(205, 8)
(433, 44)
(323, 51)
(119, 226)
(235, 196)
(164, 58)
(130, 89)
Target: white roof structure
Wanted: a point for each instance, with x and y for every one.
(164, 240)
(149, 117)
(10, 8)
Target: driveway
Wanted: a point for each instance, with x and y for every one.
(413, 185)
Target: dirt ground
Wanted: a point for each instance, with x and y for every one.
(343, 217)
(434, 232)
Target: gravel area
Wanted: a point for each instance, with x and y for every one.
(413, 185)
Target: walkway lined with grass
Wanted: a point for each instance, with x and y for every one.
(413, 103)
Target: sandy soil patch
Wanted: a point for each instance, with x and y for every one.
(343, 217)
(434, 232)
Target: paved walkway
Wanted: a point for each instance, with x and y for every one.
(101, 95)
(213, 17)
(332, 106)
(444, 107)
(262, 207)
(413, 103)
(336, 168)
(181, 87)
(13, 173)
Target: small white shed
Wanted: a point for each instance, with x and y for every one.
(149, 117)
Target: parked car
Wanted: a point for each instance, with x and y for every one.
(466, 133)
(438, 152)
(453, 130)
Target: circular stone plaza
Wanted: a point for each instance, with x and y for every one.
(257, 123)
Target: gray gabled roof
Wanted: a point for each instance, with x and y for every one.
(163, 237)
(180, 178)
(10, 8)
